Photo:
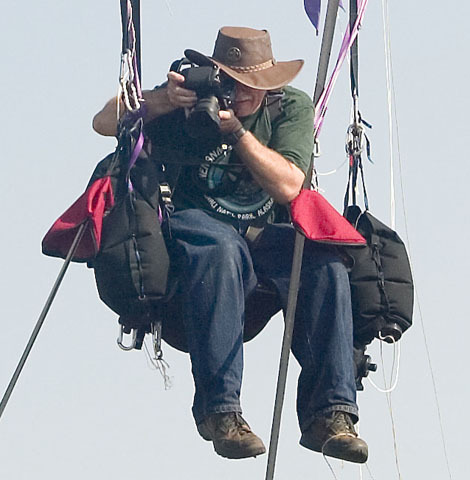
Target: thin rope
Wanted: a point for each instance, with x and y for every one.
(395, 367)
(161, 366)
(389, 389)
(358, 430)
(405, 218)
(428, 356)
(394, 432)
(332, 172)
(388, 395)
(388, 76)
(330, 467)
(168, 6)
(368, 470)
(418, 303)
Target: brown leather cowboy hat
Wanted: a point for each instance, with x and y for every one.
(245, 54)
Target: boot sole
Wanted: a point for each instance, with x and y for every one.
(359, 455)
(232, 454)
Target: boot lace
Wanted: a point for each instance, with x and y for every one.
(234, 422)
(342, 424)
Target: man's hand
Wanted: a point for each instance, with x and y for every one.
(178, 96)
(229, 122)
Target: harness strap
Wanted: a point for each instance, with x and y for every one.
(356, 138)
(354, 50)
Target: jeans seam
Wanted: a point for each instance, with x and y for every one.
(219, 409)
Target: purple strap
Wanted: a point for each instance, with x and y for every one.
(348, 40)
(137, 149)
(136, 81)
(135, 155)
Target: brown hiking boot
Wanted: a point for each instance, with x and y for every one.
(334, 435)
(231, 436)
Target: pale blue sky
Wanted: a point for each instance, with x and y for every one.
(83, 409)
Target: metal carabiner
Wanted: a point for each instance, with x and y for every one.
(355, 140)
(121, 338)
(156, 331)
(127, 78)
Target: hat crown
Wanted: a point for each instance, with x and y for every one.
(243, 47)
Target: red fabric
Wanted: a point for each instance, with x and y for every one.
(319, 221)
(97, 199)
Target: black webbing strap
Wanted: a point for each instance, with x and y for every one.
(325, 52)
(355, 168)
(354, 51)
(357, 137)
(135, 5)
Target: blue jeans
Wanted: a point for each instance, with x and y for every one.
(217, 271)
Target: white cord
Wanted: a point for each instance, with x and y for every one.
(330, 467)
(388, 76)
(395, 368)
(389, 390)
(331, 172)
(403, 200)
(168, 6)
(368, 470)
(161, 366)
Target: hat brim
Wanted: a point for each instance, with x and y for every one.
(276, 76)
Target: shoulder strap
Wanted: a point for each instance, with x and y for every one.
(273, 103)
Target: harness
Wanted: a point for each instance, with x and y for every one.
(144, 314)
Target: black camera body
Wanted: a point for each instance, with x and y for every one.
(215, 91)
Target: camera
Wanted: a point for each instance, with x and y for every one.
(215, 91)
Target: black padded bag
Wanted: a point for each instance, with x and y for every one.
(380, 279)
(131, 268)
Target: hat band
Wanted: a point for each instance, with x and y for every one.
(254, 68)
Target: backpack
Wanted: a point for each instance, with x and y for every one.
(123, 205)
(380, 279)
(131, 268)
(380, 275)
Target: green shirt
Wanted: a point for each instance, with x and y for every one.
(211, 176)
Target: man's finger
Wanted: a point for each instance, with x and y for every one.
(184, 92)
(225, 114)
(176, 77)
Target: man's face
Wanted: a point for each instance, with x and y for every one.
(247, 100)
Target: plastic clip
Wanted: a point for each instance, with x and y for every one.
(165, 192)
(316, 148)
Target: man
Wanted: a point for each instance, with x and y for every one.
(227, 184)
